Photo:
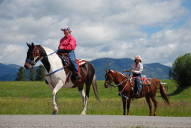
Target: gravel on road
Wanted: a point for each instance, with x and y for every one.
(92, 121)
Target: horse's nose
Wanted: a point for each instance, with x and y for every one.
(27, 65)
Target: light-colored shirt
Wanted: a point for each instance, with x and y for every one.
(137, 69)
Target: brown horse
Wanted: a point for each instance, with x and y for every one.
(125, 86)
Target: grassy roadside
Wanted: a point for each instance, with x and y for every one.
(35, 98)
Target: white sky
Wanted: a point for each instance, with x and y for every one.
(158, 30)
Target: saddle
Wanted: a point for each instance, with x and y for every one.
(69, 68)
(144, 82)
(66, 61)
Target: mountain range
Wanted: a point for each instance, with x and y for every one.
(152, 70)
(8, 72)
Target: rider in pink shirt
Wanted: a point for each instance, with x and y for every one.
(68, 45)
(68, 42)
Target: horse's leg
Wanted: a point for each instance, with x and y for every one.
(155, 105)
(150, 105)
(54, 92)
(86, 96)
(128, 105)
(124, 105)
(83, 95)
(84, 101)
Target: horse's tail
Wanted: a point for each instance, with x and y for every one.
(163, 93)
(94, 85)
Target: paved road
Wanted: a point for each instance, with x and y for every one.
(92, 121)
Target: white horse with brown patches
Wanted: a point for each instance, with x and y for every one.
(56, 76)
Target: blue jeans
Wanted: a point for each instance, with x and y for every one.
(138, 86)
(72, 58)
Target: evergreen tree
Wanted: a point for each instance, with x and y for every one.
(20, 74)
(32, 74)
(40, 73)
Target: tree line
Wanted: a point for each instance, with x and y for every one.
(34, 74)
(180, 72)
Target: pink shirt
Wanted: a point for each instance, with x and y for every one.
(67, 43)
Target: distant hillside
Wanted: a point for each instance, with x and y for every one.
(150, 70)
(9, 71)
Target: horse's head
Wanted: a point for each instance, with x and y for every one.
(33, 55)
(109, 78)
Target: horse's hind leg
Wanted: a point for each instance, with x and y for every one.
(54, 92)
(85, 96)
(84, 101)
(149, 104)
(128, 105)
(124, 105)
(155, 105)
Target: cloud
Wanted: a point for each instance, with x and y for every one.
(103, 28)
(12, 54)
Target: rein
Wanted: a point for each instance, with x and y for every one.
(41, 58)
(47, 55)
(50, 73)
(121, 83)
(126, 79)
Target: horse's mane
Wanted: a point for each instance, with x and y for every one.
(46, 48)
(118, 72)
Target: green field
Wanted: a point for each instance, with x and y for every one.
(35, 98)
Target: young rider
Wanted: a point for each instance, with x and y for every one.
(137, 69)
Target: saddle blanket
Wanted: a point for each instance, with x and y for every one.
(80, 61)
(145, 81)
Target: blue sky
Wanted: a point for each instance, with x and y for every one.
(158, 30)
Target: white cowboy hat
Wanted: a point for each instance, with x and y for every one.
(138, 58)
(66, 28)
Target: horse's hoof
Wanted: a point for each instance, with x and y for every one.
(83, 113)
(54, 113)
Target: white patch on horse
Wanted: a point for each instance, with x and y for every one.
(68, 84)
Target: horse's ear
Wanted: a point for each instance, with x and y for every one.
(32, 45)
(28, 44)
(107, 70)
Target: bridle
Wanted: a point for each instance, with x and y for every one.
(126, 79)
(37, 56)
(110, 82)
